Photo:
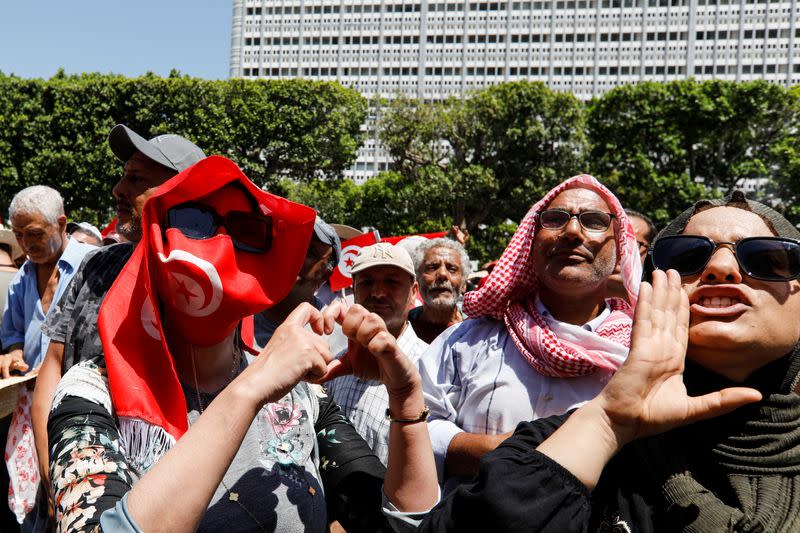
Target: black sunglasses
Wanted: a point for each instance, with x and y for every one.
(764, 258)
(251, 232)
(589, 220)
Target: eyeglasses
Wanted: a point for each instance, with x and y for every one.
(595, 221)
(251, 232)
(764, 258)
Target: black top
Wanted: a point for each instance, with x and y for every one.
(737, 472)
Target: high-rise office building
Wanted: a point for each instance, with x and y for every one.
(432, 49)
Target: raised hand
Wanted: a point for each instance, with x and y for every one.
(372, 351)
(293, 354)
(647, 394)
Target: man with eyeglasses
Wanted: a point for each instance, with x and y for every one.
(72, 323)
(543, 338)
(321, 259)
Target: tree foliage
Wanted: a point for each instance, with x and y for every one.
(663, 146)
(483, 160)
(501, 146)
(480, 161)
(54, 131)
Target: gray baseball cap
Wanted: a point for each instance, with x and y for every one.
(327, 235)
(169, 150)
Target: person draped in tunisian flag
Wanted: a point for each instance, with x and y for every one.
(543, 336)
(180, 429)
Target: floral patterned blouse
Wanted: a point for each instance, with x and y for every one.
(300, 465)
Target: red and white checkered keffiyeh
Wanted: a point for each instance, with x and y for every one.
(510, 291)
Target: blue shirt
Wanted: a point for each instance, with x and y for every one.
(23, 315)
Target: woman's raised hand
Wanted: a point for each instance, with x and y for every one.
(293, 354)
(372, 351)
(647, 394)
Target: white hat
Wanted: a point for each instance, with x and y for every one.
(86, 227)
(383, 254)
(7, 237)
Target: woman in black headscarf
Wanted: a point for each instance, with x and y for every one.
(700, 428)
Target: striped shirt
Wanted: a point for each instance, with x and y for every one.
(364, 401)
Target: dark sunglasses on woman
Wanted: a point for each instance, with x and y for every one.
(764, 258)
(554, 219)
(250, 232)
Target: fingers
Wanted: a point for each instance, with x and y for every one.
(642, 321)
(333, 313)
(306, 313)
(721, 402)
(318, 369)
(11, 363)
(682, 318)
(661, 318)
(361, 325)
(381, 343)
(335, 369)
(351, 321)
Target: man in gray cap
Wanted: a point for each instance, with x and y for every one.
(72, 323)
(148, 164)
(321, 259)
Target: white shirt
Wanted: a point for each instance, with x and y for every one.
(476, 380)
(364, 401)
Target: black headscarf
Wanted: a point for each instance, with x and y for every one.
(741, 471)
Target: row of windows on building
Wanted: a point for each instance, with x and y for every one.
(459, 6)
(520, 71)
(523, 37)
(486, 6)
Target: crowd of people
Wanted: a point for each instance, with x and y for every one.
(194, 371)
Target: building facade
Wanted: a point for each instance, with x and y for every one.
(432, 49)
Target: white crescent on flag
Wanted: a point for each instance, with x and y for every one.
(347, 259)
(191, 298)
(148, 317)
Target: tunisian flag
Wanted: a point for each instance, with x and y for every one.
(341, 278)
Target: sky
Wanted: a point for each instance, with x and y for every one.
(112, 36)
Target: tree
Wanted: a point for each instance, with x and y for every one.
(54, 132)
(662, 146)
(489, 156)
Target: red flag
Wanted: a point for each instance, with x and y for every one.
(206, 284)
(340, 278)
(395, 240)
(111, 227)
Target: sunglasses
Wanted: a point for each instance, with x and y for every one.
(764, 258)
(595, 221)
(251, 232)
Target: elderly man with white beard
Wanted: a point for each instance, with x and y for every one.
(442, 267)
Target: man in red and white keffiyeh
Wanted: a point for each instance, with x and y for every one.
(543, 337)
